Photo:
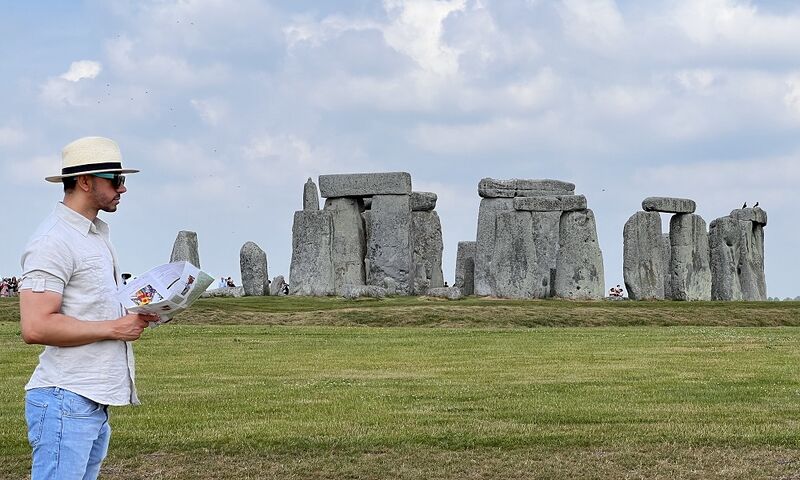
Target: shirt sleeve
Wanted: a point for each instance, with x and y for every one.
(40, 281)
(47, 258)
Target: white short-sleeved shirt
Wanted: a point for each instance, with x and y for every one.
(73, 256)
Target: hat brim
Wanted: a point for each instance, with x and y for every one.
(58, 178)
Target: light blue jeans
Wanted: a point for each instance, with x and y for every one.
(69, 434)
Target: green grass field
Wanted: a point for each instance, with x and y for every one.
(420, 388)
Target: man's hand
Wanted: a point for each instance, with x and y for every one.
(131, 326)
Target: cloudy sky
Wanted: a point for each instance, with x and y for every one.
(228, 107)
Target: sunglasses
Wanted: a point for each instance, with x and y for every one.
(117, 180)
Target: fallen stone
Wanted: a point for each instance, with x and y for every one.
(423, 201)
(389, 246)
(310, 196)
(185, 248)
(492, 188)
(352, 292)
(450, 293)
(668, 205)
(690, 271)
(365, 184)
(253, 267)
(755, 215)
(643, 264)
(485, 242)
(231, 292)
(553, 203)
(277, 285)
(465, 267)
(348, 246)
(311, 271)
(428, 247)
(579, 268)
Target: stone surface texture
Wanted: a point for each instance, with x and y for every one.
(253, 267)
(666, 255)
(737, 260)
(276, 286)
(485, 240)
(365, 184)
(690, 270)
(450, 293)
(348, 246)
(185, 248)
(579, 267)
(423, 201)
(546, 226)
(465, 267)
(493, 188)
(389, 246)
(668, 205)
(553, 203)
(427, 242)
(755, 215)
(514, 256)
(643, 264)
(311, 271)
(310, 195)
(355, 291)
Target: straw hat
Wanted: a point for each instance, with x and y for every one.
(90, 155)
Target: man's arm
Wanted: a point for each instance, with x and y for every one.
(42, 323)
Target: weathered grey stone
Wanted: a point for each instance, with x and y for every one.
(349, 242)
(514, 256)
(185, 248)
(389, 249)
(450, 293)
(276, 286)
(643, 264)
(232, 292)
(552, 203)
(754, 214)
(666, 255)
(365, 184)
(253, 267)
(311, 271)
(690, 272)
(423, 201)
(485, 240)
(465, 267)
(579, 268)
(737, 260)
(310, 196)
(428, 247)
(390, 285)
(546, 226)
(354, 291)
(668, 205)
(492, 188)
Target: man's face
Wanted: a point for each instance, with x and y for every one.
(105, 196)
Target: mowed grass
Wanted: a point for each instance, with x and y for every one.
(490, 399)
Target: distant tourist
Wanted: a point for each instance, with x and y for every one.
(4, 288)
(616, 292)
(222, 283)
(286, 289)
(446, 285)
(229, 282)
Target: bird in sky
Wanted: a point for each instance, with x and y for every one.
(745, 205)
(754, 206)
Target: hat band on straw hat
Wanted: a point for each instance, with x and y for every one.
(91, 167)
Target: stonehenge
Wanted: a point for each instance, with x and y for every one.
(723, 262)
(372, 231)
(465, 268)
(253, 268)
(185, 248)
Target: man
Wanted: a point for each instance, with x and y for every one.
(68, 303)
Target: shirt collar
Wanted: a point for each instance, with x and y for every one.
(80, 223)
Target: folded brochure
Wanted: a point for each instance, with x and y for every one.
(165, 290)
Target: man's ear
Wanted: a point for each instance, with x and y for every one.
(85, 182)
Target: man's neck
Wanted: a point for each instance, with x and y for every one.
(73, 202)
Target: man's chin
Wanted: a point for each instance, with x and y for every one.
(110, 208)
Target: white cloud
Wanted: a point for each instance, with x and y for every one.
(597, 24)
(82, 69)
(792, 97)
(211, 111)
(697, 80)
(11, 137)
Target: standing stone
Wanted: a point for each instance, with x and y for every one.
(724, 237)
(546, 226)
(579, 268)
(253, 267)
(754, 214)
(515, 256)
(465, 268)
(365, 184)
(276, 287)
(423, 201)
(666, 255)
(185, 248)
(643, 262)
(668, 205)
(389, 250)
(690, 272)
(349, 242)
(428, 246)
(490, 208)
(751, 261)
(311, 271)
(310, 196)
